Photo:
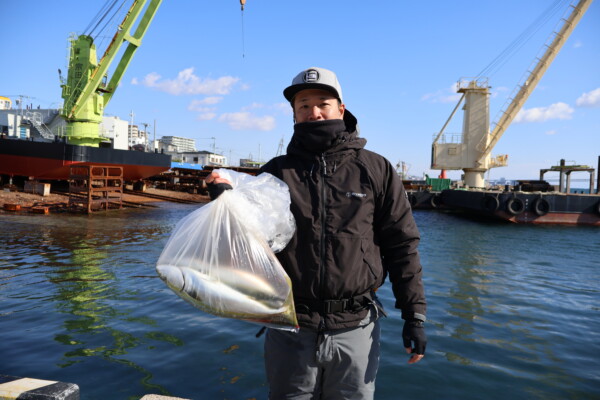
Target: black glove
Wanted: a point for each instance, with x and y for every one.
(414, 331)
(216, 189)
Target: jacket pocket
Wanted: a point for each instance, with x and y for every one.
(372, 260)
(353, 269)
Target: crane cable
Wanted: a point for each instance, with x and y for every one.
(95, 18)
(106, 9)
(520, 41)
(242, 4)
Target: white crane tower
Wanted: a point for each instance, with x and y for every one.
(471, 151)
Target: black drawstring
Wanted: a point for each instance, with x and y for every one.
(262, 330)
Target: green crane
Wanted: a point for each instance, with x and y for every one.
(88, 88)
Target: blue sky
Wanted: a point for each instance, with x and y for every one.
(205, 71)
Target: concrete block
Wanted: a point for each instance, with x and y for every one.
(12, 387)
(38, 188)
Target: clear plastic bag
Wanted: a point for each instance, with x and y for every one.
(221, 259)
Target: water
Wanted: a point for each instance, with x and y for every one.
(514, 312)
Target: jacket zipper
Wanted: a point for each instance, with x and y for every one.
(323, 219)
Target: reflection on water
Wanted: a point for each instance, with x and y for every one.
(75, 265)
(507, 310)
(509, 315)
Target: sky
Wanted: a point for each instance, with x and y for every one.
(208, 71)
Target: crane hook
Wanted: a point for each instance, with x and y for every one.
(242, 3)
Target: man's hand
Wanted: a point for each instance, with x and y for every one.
(216, 185)
(414, 332)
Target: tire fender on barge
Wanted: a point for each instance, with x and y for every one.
(515, 206)
(490, 203)
(541, 206)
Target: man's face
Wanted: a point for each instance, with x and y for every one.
(317, 105)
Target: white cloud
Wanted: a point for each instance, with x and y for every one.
(551, 132)
(209, 100)
(589, 99)
(188, 83)
(499, 90)
(443, 96)
(245, 120)
(206, 115)
(200, 106)
(253, 106)
(283, 107)
(541, 114)
(578, 44)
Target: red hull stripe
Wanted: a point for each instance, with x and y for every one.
(43, 160)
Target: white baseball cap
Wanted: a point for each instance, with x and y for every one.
(314, 78)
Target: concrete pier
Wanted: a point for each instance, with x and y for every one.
(13, 387)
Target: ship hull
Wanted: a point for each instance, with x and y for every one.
(52, 161)
(525, 207)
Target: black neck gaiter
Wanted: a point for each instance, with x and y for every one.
(319, 136)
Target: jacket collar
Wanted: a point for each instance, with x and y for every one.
(352, 141)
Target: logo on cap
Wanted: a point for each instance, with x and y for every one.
(311, 75)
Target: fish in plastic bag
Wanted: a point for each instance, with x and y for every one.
(221, 259)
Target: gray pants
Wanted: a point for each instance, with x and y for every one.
(340, 364)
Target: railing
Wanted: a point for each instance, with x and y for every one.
(37, 121)
(448, 138)
(472, 83)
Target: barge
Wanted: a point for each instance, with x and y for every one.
(533, 201)
(526, 207)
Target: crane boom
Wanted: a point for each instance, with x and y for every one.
(534, 77)
(86, 93)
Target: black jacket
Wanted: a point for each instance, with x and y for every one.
(354, 227)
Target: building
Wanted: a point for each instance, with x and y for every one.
(11, 124)
(5, 103)
(181, 144)
(248, 163)
(202, 158)
(132, 133)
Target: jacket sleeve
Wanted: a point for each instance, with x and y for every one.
(272, 167)
(398, 239)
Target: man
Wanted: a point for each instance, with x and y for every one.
(354, 227)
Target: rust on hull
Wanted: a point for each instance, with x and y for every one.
(53, 160)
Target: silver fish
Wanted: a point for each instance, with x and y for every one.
(215, 295)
